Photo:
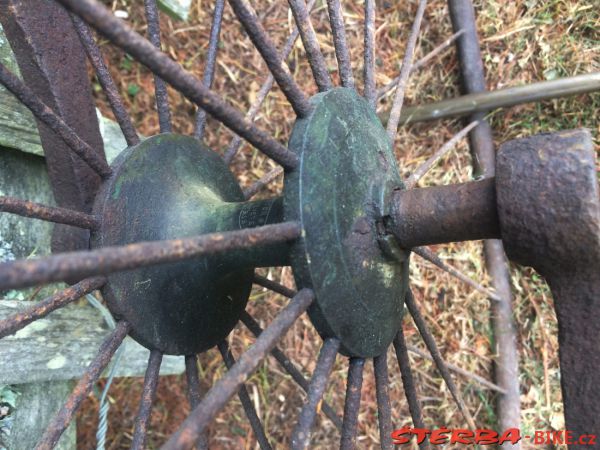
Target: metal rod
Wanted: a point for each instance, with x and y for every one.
(229, 384)
(245, 400)
(410, 389)
(352, 403)
(469, 104)
(44, 307)
(23, 273)
(142, 419)
(290, 368)
(336, 19)
(318, 383)
(381, 92)
(430, 256)
(194, 392)
(236, 142)
(99, 17)
(394, 118)
(48, 213)
(506, 371)
(209, 67)
(106, 81)
(160, 87)
(249, 20)
(255, 187)
(420, 171)
(384, 410)
(311, 45)
(43, 113)
(369, 56)
(409, 301)
(62, 419)
(274, 286)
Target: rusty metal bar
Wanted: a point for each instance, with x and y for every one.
(227, 386)
(506, 371)
(274, 286)
(249, 20)
(352, 403)
(318, 383)
(255, 423)
(336, 19)
(106, 81)
(394, 118)
(99, 17)
(311, 45)
(211, 59)
(255, 187)
(194, 393)
(290, 368)
(370, 90)
(23, 273)
(43, 113)
(44, 307)
(142, 419)
(48, 213)
(384, 409)
(63, 418)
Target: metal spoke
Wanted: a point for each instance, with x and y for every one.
(274, 286)
(61, 420)
(244, 397)
(253, 189)
(336, 19)
(352, 403)
(248, 18)
(209, 67)
(194, 391)
(301, 434)
(290, 368)
(48, 213)
(160, 87)
(410, 390)
(68, 265)
(44, 307)
(384, 410)
(369, 57)
(409, 301)
(392, 125)
(420, 63)
(106, 81)
(43, 113)
(227, 386)
(148, 396)
(99, 17)
(414, 178)
(430, 256)
(311, 45)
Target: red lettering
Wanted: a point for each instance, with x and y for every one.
(538, 437)
(591, 439)
(462, 437)
(555, 437)
(421, 434)
(512, 435)
(486, 437)
(569, 438)
(398, 436)
(438, 436)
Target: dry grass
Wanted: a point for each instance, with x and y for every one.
(522, 42)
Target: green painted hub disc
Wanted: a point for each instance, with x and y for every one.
(346, 168)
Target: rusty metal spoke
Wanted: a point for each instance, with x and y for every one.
(209, 66)
(191, 87)
(336, 19)
(227, 386)
(384, 410)
(48, 213)
(394, 118)
(311, 45)
(352, 403)
(46, 115)
(142, 419)
(274, 286)
(369, 56)
(23, 273)
(318, 383)
(106, 81)
(253, 189)
(194, 393)
(290, 368)
(409, 301)
(61, 420)
(249, 20)
(44, 307)
(245, 400)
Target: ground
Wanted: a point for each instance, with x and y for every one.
(521, 42)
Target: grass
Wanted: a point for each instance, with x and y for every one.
(521, 42)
